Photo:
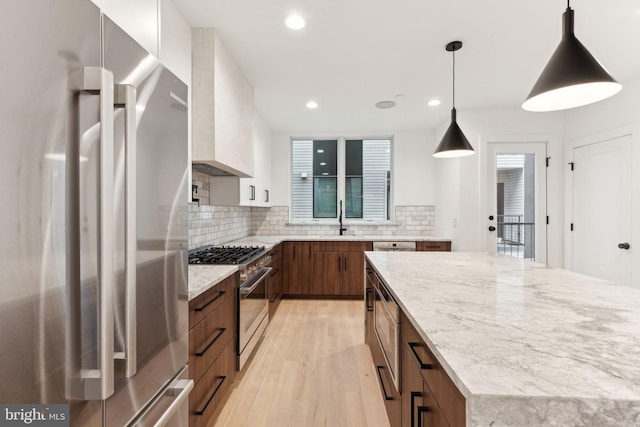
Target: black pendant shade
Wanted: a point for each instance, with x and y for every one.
(572, 77)
(453, 143)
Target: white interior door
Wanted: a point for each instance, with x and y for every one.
(602, 210)
(517, 200)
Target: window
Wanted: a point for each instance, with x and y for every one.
(327, 172)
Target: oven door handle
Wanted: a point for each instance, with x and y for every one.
(247, 289)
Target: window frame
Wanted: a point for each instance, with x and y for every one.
(341, 180)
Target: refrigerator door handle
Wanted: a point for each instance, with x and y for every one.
(125, 97)
(96, 383)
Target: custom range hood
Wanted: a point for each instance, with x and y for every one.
(211, 170)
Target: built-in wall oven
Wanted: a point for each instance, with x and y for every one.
(386, 324)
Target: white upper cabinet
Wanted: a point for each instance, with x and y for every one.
(256, 191)
(222, 107)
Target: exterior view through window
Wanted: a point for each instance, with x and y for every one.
(354, 171)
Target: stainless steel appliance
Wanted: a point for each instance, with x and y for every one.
(386, 324)
(252, 296)
(394, 246)
(93, 211)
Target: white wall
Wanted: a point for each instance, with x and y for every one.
(413, 166)
(462, 192)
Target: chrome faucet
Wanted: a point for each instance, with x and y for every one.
(342, 229)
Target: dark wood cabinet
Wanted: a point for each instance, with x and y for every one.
(429, 397)
(433, 246)
(212, 335)
(391, 396)
(338, 268)
(297, 264)
(369, 298)
(275, 280)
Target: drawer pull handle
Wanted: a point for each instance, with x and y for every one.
(412, 346)
(414, 394)
(208, 346)
(421, 410)
(215, 390)
(384, 391)
(220, 293)
(368, 299)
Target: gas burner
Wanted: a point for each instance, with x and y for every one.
(224, 254)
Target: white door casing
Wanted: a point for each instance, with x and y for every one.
(602, 209)
(539, 150)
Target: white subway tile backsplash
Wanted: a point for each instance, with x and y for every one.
(220, 224)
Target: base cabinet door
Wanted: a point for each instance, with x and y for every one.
(327, 273)
(352, 277)
(338, 268)
(297, 264)
(419, 408)
(443, 404)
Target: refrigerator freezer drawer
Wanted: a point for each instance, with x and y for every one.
(171, 406)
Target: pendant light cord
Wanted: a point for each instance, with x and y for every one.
(454, 78)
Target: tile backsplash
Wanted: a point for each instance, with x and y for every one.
(219, 224)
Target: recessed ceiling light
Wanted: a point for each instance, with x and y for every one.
(325, 173)
(321, 151)
(384, 105)
(433, 102)
(295, 22)
(312, 105)
(323, 163)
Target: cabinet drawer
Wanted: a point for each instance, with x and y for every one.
(433, 246)
(450, 400)
(209, 337)
(203, 305)
(342, 246)
(208, 395)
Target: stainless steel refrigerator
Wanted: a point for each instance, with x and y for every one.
(93, 220)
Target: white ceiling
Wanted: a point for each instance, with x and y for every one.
(354, 53)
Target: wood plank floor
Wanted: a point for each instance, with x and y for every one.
(312, 369)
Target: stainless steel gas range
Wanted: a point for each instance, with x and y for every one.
(252, 304)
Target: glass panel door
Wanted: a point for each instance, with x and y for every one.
(517, 200)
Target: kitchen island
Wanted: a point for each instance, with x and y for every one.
(525, 345)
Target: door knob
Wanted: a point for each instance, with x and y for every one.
(624, 245)
(492, 228)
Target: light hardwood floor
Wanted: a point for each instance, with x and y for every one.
(312, 369)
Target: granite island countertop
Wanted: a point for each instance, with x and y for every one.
(525, 344)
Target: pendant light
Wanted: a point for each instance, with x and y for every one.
(572, 77)
(454, 143)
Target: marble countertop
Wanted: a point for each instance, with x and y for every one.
(204, 277)
(525, 344)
